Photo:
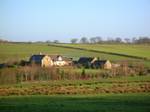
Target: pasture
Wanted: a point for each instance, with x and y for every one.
(129, 49)
(78, 103)
(14, 52)
(115, 94)
(24, 51)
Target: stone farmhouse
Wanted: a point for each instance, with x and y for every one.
(94, 63)
(50, 60)
(58, 60)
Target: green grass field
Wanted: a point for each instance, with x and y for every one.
(133, 50)
(118, 94)
(13, 52)
(24, 51)
(78, 103)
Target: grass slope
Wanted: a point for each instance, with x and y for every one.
(133, 50)
(80, 103)
(10, 52)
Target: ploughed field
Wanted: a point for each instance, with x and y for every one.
(136, 84)
(120, 94)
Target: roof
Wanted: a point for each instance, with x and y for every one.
(55, 58)
(67, 59)
(36, 58)
(100, 61)
(85, 59)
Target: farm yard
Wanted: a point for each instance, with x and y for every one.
(60, 89)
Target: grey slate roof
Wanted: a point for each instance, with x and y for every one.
(85, 60)
(36, 58)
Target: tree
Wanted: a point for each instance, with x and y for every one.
(127, 40)
(74, 40)
(93, 40)
(96, 39)
(110, 40)
(143, 40)
(48, 41)
(118, 40)
(84, 40)
(134, 40)
(56, 41)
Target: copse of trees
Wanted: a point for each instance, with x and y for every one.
(141, 40)
(3, 41)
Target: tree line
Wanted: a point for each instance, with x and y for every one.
(98, 40)
(94, 40)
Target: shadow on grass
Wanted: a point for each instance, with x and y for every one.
(103, 103)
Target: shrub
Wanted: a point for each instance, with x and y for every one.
(83, 75)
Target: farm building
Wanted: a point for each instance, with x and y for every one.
(42, 60)
(105, 64)
(50, 60)
(59, 60)
(86, 61)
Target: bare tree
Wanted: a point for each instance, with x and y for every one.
(127, 40)
(84, 40)
(118, 40)
(74, 40)
(56, 41)
(143, 40)
(93, 40)
(110, 40)
(48, 41)
(96, 39)
(134, 39)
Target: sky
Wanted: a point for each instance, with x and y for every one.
(41, 20)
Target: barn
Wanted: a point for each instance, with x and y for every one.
(104, 64)
(86, 61)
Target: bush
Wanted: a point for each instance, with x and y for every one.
(8, 76)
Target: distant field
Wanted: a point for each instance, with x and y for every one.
(78, 103)
(12, 52)
(123, 51)
(133, 50)
(24, 51)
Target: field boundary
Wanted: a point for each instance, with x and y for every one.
(104, 52)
